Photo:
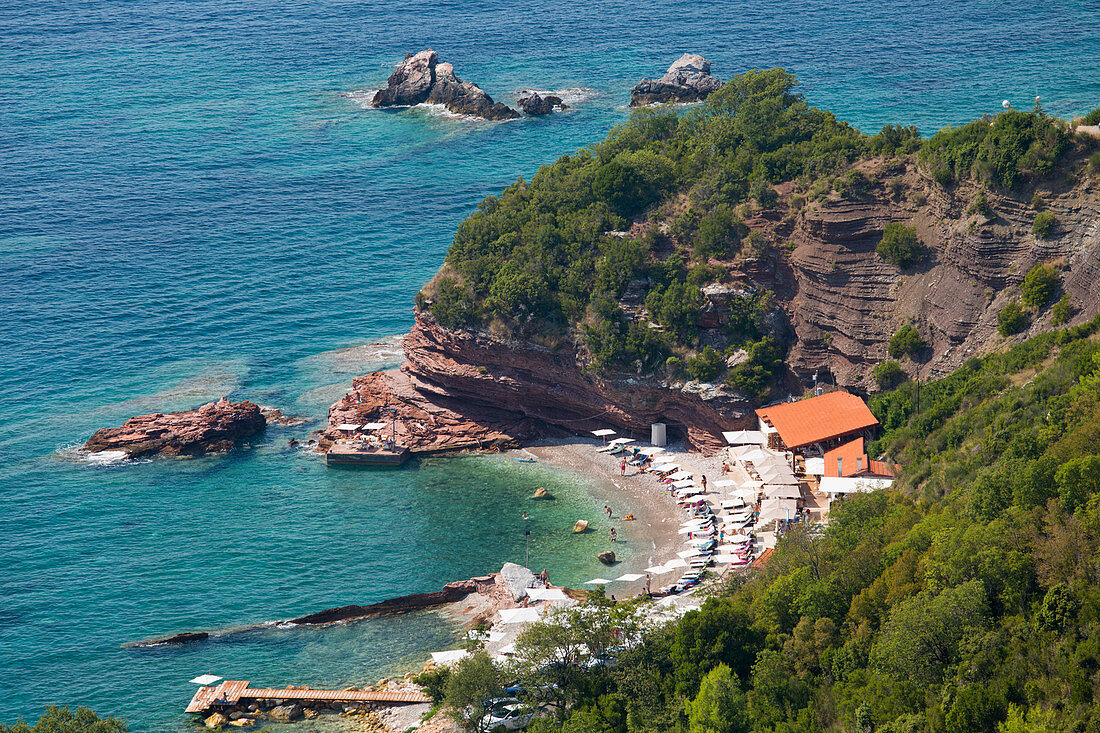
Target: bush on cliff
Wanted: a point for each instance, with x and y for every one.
(1039, 286)
(888, 374)
(906, 342)
(899, 245)
(1001, 151)
(1043, 224)
(706, 365)
(1011, 319)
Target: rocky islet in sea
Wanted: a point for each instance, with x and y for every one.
(687, 80)
(421, 78)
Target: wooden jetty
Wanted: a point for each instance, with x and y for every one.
(235, 692)
(350, 454)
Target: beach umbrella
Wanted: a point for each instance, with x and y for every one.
(630, 579)
(603, 432)
(206, 679)
(738, 539)
(449, 657)
(679, 475)
(676, 562)
(726, 558)
(547, 594)
(374, 426)
(726, 483)
(694, 552)
(597, 581)
(663, 467)
(651, 450)
(519, 615)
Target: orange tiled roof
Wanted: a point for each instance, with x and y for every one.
(819, 418)
(854, 461)
(763, 559)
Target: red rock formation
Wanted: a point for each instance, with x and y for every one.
(459, 389)
(212, 428)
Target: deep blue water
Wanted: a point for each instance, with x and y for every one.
(192, 206)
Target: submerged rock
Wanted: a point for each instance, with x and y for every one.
(539, 105)
(580, 526)
(285, 713)
(213, 428)
(607, 557)
(541, 493)
(422, 79)
(687, 80)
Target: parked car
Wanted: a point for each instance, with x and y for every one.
(510, 714)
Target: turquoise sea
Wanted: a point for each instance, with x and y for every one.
(193, 205)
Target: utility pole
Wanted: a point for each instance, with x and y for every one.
(918, 396)
(527, 560)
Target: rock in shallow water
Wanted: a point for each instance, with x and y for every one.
(285, 713)
(212, 428)
(607, 557)
(422, 79)
(539, 105)
(687, 80)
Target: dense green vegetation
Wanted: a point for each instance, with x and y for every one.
(63, 720)
(888, 374)
(1040, 284)
(1011, 319)
(899, 245)
(966, 599)
(608, 249)
(906, 342)
(1043, 224)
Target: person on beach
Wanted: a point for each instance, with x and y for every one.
(544, 577)
(607, 510)
(704, 483)
(648, 591)
(622, 467)
(612, 534)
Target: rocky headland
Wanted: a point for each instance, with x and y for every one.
(422, 78)
(687, 80)
(213, 428)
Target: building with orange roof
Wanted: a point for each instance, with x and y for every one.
(824, 421)
(851, 459)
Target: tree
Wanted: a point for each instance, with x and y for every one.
(1043, 224)
(1011, 320)
(721, 632)
(922, 634)
(554, 652)
(63, 720)
(906, 342)
(1039, 285)
(475, 681)
(720, 706)
(706, 365)
(1078, 480)
(888, 374)
(1062, 311)
(899, 245)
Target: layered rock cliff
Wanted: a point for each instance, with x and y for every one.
(837, 305)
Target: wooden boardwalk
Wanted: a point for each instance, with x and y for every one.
(233, 692)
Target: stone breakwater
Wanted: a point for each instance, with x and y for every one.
(421, 78)
(213, 428)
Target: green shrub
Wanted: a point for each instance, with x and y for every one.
(888, 374)
(706, 365)
(796, 202)
(674, 367)
(980, 205)
(1002, 151)
(906, 342)
(1094, 163)
(1043, 224)
(1037, 202)
(1062, 311)
(756, 376)
(899, 245)
(1039, 286)
(764, 194)
(1011, 319)
(1092, 118)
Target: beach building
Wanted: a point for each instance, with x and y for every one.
(851, 459)
(822, 422)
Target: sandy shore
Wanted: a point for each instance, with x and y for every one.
(657, 515)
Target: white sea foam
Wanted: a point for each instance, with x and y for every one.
(105, 457)
(362, 97)
(569, 95)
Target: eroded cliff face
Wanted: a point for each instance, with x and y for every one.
(463, 389)
(837, 306)
(847, 302)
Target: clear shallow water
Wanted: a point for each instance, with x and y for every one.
(192, 206)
